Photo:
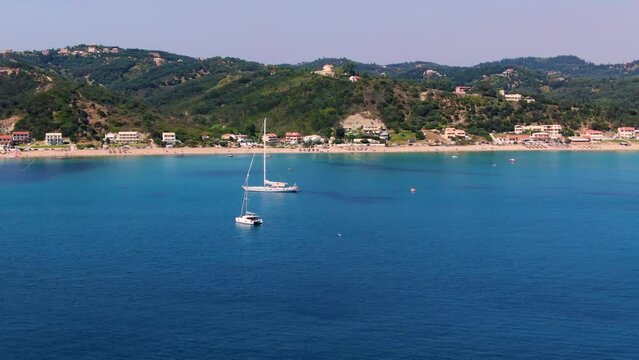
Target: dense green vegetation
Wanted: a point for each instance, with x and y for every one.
(85, 95)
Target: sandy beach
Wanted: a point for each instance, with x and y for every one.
(332, 150)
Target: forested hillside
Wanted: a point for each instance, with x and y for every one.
(84, 91)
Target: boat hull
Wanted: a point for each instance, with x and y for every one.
(244, 221)
(270, 189)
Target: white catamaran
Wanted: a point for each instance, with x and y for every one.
(246, 217)
(268, 186)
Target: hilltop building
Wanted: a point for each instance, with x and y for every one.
(327, 70)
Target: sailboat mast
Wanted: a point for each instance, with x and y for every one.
(264, 141)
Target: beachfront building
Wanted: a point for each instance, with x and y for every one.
(128, 137)
(5, 140)
(294, 138)
(270, 137)
(110, 137)
(626, 132)
(384, 135)
(228, 136)
(594, 135)
(53, 139)
(169, 139)
(462, 90)
(503, 139)
(313, 139)
(20, 137)
(554, 130)
(453, 133)
(542, 136)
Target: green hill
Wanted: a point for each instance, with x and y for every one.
(88, 93)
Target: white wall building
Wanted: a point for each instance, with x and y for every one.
(53, 138)
(169, 138)
(128, 137)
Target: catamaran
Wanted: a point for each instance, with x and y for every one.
(246, 217)
(268, 185)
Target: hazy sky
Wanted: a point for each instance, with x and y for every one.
(455, 32)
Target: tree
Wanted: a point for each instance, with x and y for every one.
(340, 132)
(419, 135)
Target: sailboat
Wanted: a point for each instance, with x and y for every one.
(246, 217)
(269, 186)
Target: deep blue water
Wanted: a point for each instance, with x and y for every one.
(141, 258)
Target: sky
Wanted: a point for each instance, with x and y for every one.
(451, 32)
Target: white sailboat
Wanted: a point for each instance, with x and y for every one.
(246, 217)
(269, 186)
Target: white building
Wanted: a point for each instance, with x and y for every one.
(53, 138)
(169, 138)
(626, 133)
(270, 137)
(128, 137)
(594, 135)
(453, 133)
(110, 137)
(313, 139)
(553, 130)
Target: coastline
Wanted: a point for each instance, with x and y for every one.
(88, 153)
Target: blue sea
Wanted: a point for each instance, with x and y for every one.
(140, 258)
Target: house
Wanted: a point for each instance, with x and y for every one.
(354, 78)
(294, 138)
(63, 51)
(5, 140)
(595, 135)
(168, 138)
(509, 138)
(554, 130)
(228, 136)
(626, 133)
(110, 137)
(384, 135)
(45, 52)
(462, 90)
(540, 136)
(91, 49)
(452, 133)
(327, 70)
(128, 137)
(510, 97)
(21, 137)
(270, 137)
(53, 138)
(241, 138)
(313, 139)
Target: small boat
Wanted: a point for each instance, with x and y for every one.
(512, 160)
(229, 155)
(413, 190)
(249, 218)
(246, 217)
(454, 156)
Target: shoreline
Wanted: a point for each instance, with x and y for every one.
(115, 153)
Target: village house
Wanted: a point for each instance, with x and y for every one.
(128, 137)
(53, 139)
(91, 49)
(63, 51)
(453, 133)
(354, 78)
(313, 139)
(509, 138)
(595, 135)
(293, 138)
(327, 70)
(554, 130)
(384, 135)
(540, 136)
(462, 90)
(5, 140)
(21, 137)
(270, 137)
(626, 132)
(169, 139)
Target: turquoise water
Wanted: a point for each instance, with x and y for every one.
(141, 258)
